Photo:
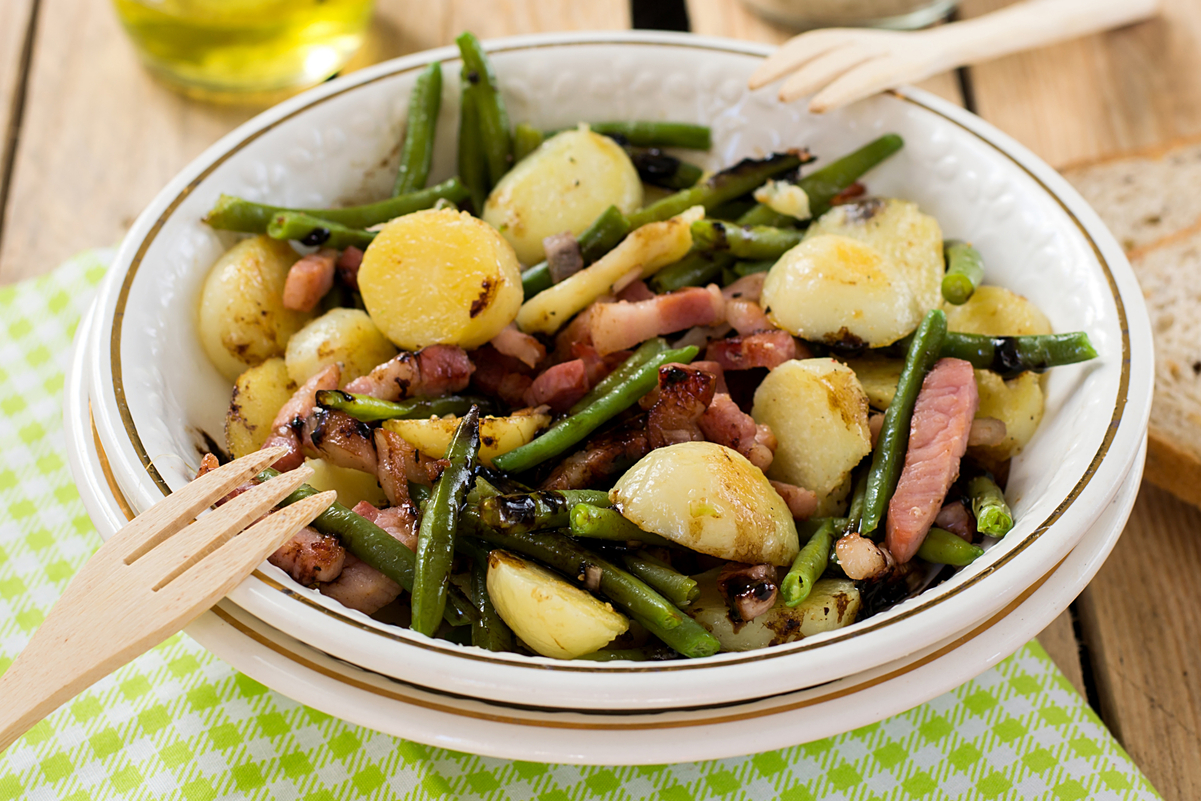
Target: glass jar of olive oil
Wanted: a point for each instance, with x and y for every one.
(234, 49)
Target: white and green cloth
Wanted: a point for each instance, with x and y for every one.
(179, 723)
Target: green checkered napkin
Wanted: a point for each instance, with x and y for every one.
(179, 723)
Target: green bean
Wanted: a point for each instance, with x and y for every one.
(732, 210)
(491, 116)
(751, 242)
(889, 455)
(417, 151)
(823, 185)
(965, 270)
(235, 214)
(374, 546)
(993, 516)
(419, 493)
(535, 511)
(726, 185)
(1012, 356)
(696, 269)
(941, 547)
(858, 499)
(372, 410)
(526, 139)
(810, 563)
(598, 239)
(572, 429)
(645, 133)
(309, 230)
(674, 586)
(744, 268)
(645, 352)
(489, 630)
(590, 521)
(436, 537)
(473, 164)
(662, 169)
(759, 214)
(645, 605)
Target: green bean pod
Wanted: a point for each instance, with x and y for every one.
(993, 516)
(372, 410)
(744, 268)
(488, 630)
(598, 239)
(858, 501)
(941, 547)
(235, 214)
(759, 214)
(1012, 356)
(889, 455)
(644, 353)
(417, 150)
(810, 563)
(750, 242)
(526, 139)
(681, 590)
(436, 537)
(473, 165)
(574, 428)
(965, 271)
(309, 230)
(696, 269)
(491, 116)
(646, 133)
(594, 522)
(823, 185)
(536, 511)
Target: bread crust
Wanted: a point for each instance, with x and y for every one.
(1171, 468)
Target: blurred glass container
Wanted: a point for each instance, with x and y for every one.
(242, 50)
(896, 14)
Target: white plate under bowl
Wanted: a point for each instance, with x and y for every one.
(154, 389)
(369, 699)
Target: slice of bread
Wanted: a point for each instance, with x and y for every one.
(1151, 203)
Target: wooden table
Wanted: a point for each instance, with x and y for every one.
(89, 138)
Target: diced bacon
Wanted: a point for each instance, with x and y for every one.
(875, 422)
(859, 557)
(684, 395)
(286, 426)
(801, 502)
(715, 369)
(636, 292)
(601, 458)
(724, 423)
(522, 347)
(500, 376)
(986, 431)
(767, 349)
(348, 267)
(399, 521)
(310, 556)
(309, 279)
(361, 587)
(955, 518)
(577, 332)
(596, 366)
(432, 371)
(747, 317)
(702, 335)
(617, 326)
(396, 465)
(563, 256)
(938, 434)
(749, 287)
(339, 439)
(559, 386)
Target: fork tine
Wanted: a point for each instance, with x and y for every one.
(214, 576)
(797, 51)
(863, 81)
(817, 73)
(180, 508)
(207, 534)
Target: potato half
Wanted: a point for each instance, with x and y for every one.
(997, 312)
(440, 277)
(346, 337)
(259, 394)
(878, 375)
(497, 434)
(709, 498)
(552, 617)
(1018, 403)
(351, 485)
(564, 185)
(242, 320)
(818, 411)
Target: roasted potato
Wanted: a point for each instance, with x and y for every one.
(497, 434)
(552, 617)
(878, 375)
(997, 312)
(351, 485)
(562, 186)
(340, 336)
(709, 498)
(242, 320)
(440, 277)
(832, 604)
(259, 394)
(818, 411)
(1018, 403)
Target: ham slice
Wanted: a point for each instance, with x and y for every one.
(560, 386)
(432, 371)
(360, 586)
(309, 279)
(621, 325)
(938, 435)
(766, 349)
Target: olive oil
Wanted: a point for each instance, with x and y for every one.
(234, 48)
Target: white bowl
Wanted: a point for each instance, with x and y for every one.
(154, 390)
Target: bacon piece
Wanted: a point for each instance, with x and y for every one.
(749, 287)
(636, 292)
(875, 422)
(432, 371)
(563, 256)
(361, 587)
(522, 347)
(801, 502)
(339, 439)
(208, 463)
(500, 376)
(859, 557)
(684, 394)
(602, 457)
(853, 191)
(767, 349)
(938, 433)
(749, 590)
(310, 556)
(986, 431)
(286, 426)
(399, 521)
(747, 317)
(559, 386)
(309, 279)
(348, 267)
(616, 326)
(955, 518)
(577, 332)
(724, 423)
(715, 370)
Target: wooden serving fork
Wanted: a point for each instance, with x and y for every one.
(152, 578)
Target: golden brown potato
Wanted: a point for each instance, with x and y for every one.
(1018, 403)
(351, 485)
(497, 434)
(340, 336)
(997, 312)
(259, 394)
(878, 375)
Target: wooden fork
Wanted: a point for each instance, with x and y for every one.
(153, 577)
(841, 65)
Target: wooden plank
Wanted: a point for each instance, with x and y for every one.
(16, 17)
(733, 19)
(100, 137)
